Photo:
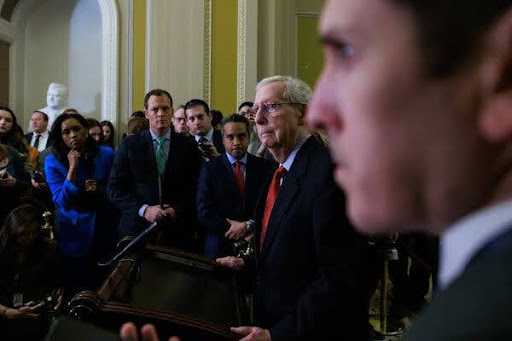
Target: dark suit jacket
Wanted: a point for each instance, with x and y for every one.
(134, 182)
(218, 198)
(49, 142)
(477, 306)
(217, 141)
(310, 276)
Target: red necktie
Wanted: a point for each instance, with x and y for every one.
(273, 190)
(239, 176)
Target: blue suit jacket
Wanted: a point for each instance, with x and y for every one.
(310, 280)
(76, 209)
(218, 198)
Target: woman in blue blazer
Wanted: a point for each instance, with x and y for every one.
(77, 172)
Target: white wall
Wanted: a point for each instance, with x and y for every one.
(63, 44)
(84, 79)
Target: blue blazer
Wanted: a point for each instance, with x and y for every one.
(76, 209)
(218, 198)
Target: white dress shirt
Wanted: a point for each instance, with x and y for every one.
(42, 140)
(461, 242)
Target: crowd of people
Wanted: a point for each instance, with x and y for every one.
(281, 199)
(418, 133)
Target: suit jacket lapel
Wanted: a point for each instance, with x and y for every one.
(289, 189)
(150, 152)
(251, 173)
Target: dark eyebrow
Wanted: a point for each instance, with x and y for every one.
(329, 40)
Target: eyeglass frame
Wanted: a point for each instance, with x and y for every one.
(265, 108)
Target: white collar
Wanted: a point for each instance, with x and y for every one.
(460, 243)
(208, 136)
(287, 164)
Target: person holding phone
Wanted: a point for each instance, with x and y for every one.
(29, 274)
(77, 172)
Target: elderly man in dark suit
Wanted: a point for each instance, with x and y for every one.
(228, 188)
(154, 173)
(309, 281)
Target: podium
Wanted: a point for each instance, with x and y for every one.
(180, 293)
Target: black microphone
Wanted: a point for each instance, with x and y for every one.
(163, 219)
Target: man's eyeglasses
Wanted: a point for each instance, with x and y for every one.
(269, 109)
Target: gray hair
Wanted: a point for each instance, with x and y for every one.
(295, 90)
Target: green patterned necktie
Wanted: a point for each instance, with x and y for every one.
(161, 158)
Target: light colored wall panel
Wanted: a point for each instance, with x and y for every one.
(309, 49)
(175, 48)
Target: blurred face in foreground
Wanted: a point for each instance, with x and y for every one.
(410, 149)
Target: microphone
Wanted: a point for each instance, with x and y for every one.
(163, 219)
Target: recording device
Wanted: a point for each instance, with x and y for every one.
(3, 173)
(48, 307)
(205, 147)
(243, 249)
(37, 176)
(163, 219)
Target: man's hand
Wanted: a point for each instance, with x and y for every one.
(91, 185)
(73, 158)
(231, 262)
(171, 211)
(152, 213)
(237, 230)
(212, 151)
(25, 311)
(128, 332)
(252, 333)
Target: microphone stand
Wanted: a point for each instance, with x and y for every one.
(162, 219)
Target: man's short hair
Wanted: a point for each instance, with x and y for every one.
(244, 104)
(45, 117)
(137, 125)
(235, 118)
(194, 102)
(138, 113)
(450, 32)
(156, 92)
(216, 117)
(295, 90)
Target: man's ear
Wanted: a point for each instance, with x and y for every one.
(302, 117)
(496, 118)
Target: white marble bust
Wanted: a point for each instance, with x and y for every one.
(56, 101)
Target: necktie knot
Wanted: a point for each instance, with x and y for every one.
(160, 140)
(280, 173)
